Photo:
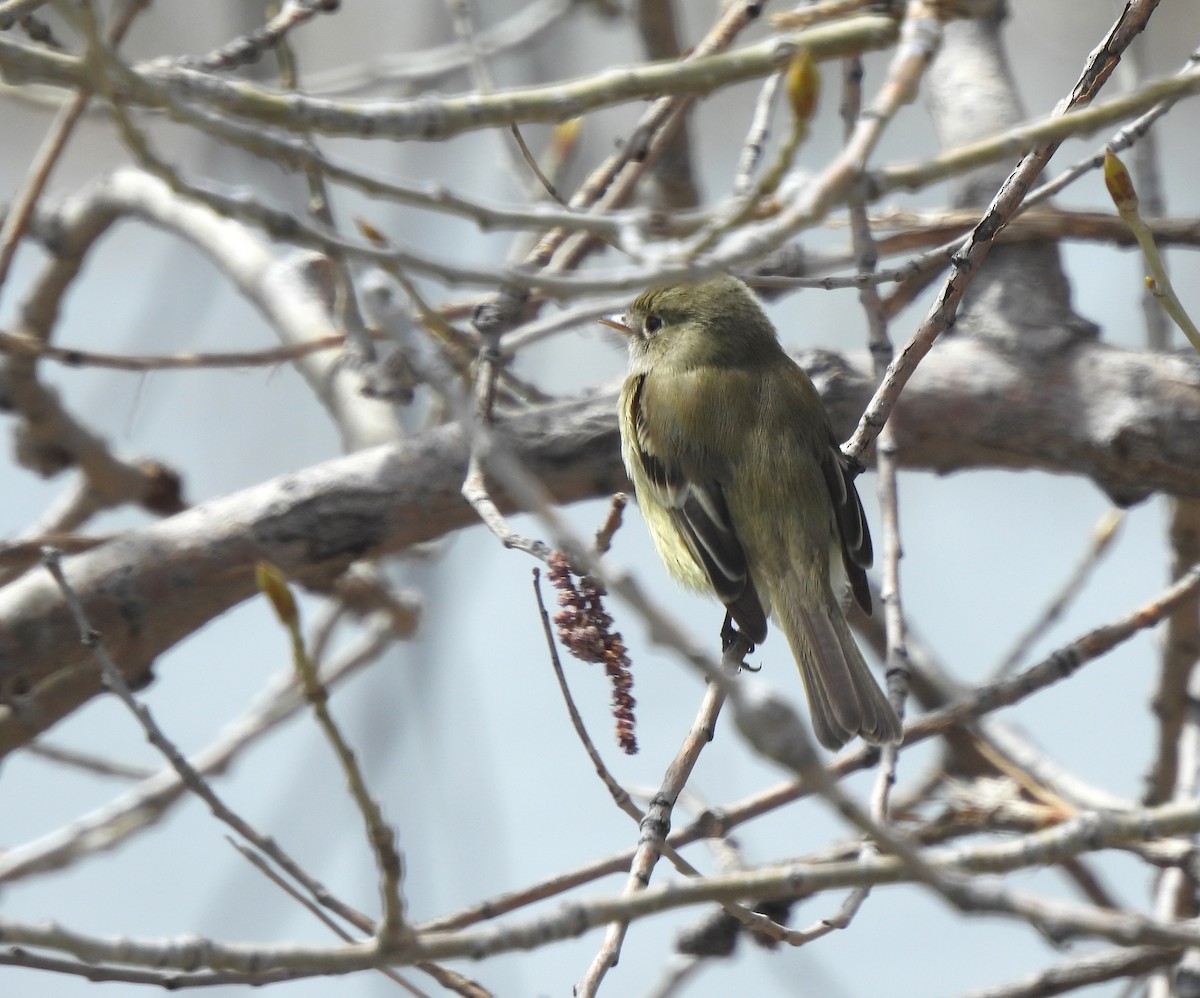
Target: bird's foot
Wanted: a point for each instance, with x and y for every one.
(735, 645)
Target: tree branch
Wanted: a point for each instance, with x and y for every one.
(1128, 420)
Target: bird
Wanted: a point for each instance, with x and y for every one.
(745, 491)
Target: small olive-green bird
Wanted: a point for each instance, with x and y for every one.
(745, 491)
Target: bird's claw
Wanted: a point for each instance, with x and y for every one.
(731, 637)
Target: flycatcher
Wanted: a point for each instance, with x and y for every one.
(745, 490)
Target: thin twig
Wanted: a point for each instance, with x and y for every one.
(263, 867)
(656, 22)
(530, 161)
(274, 34)
(167, 980)
(756, 136)
(114, 823)
(1158, 282)
(21, 207)
(1103, 534)
(381, 837)
(250, 47)
(422, 71)
(88, 763)
(187, 773)
(896, 658)
(654, 828)
(25, 346)
(814, 12)
(612, 183)
(612, 522)
(619, 794)
(1122, 139)
(1083, 971)
(975, 249)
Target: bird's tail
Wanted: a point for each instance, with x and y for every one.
(843, 697)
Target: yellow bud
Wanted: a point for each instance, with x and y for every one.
(803, 85)
(1119, 183)
(371, 233)
(273, 585)
(564, 137)
(1106, 528)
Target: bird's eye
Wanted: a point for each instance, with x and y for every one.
(652, 324)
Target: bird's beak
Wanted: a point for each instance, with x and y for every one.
(617, 322)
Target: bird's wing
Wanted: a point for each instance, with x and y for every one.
(700, 514)
(857, 554)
